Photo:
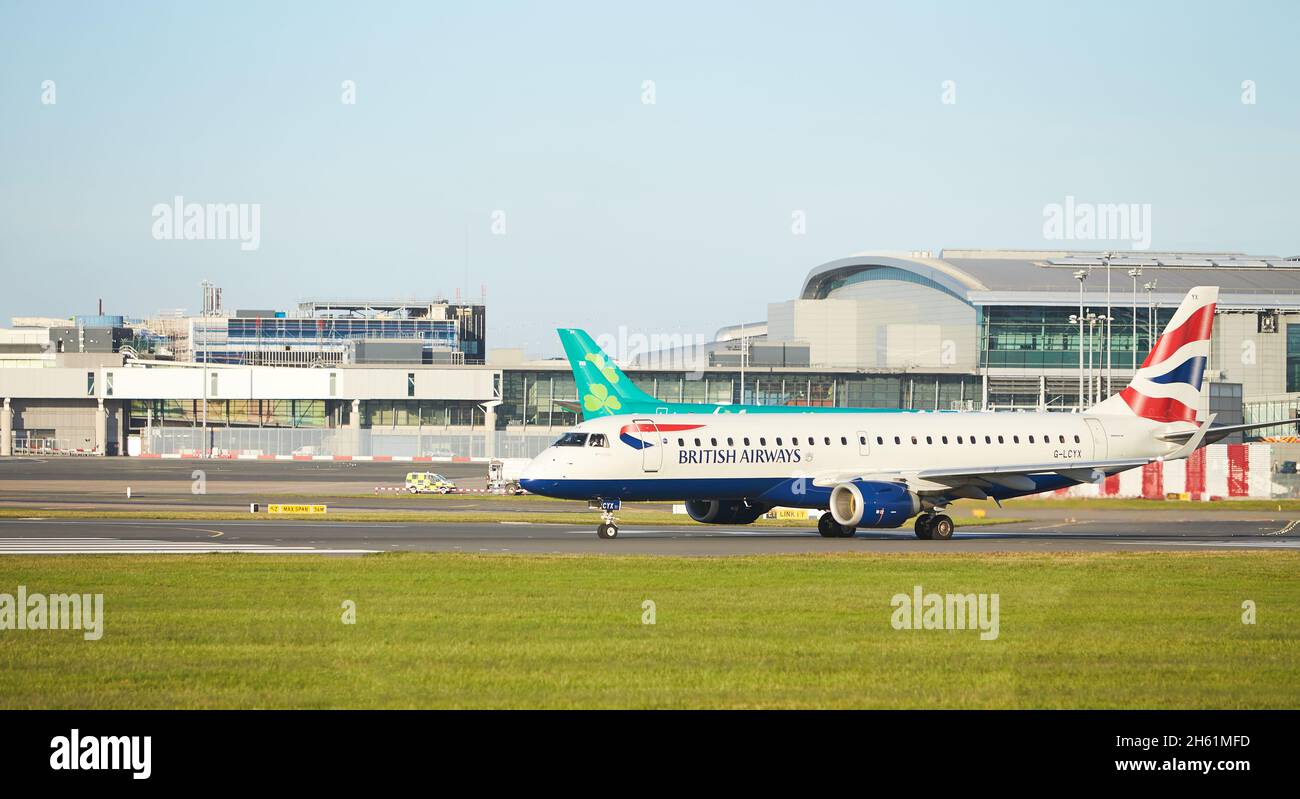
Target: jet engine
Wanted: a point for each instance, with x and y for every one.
(873, 504)
(724, 511)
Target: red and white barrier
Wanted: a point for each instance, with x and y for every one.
(1219, 470)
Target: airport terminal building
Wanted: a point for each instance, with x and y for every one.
(959, 329)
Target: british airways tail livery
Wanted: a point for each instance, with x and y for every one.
(879, 470)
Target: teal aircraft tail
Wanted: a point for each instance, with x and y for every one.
(603, 389)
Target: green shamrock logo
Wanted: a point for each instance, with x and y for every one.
(601, 400)
(604, 366)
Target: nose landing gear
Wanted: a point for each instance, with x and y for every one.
(608, 527)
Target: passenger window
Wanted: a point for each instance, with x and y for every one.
(762, 441)
(898, 440)
(828, 441)
(1062, 439)
(681, 442)
(713, 442)
(778, 441)
(929, 440)
(1031, 439)
(1000, 440)
(1015, 439)
(944, 439)
(794, 441)
(879, 440)
(730, 442)
(746, 440)
(697, 442)
(913, 439)
(959, 441)
(598, 440)
(844, 441)
(988, 439)
(1076, 440)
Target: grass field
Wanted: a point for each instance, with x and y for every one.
(447, 630)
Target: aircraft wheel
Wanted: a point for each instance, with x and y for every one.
(607, 530)
(848, 532)
(924, 528)
(941, 528)
(828, 527)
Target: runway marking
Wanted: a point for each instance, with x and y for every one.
(122, 546)
(1289, 527)
(1053, 526)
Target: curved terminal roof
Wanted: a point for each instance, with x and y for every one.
(1001, 277)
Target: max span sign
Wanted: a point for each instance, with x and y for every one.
(295, 508)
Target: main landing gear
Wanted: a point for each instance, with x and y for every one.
(934, 525)
(829, 528)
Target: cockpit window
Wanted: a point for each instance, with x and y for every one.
(572, 440)
(598, 440)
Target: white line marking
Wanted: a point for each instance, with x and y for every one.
(1289, 527)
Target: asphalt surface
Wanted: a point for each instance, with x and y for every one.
(37, 485)
(34, 535)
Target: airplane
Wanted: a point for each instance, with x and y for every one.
(605, 390)
(877, 471)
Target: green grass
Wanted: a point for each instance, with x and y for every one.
(1101, 503)
(486, 516)
(450, 630)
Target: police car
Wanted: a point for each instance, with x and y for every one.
(428, 483)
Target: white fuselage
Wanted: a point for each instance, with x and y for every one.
(744, 456)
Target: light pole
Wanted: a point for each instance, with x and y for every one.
(1081, 275)
(1105, 259)
(1135, 273)
(1151, 316)
(207, 287)
(743, 351)
(1092, 371)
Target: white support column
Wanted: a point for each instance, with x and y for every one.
(146, 446)
(101, 428)
(490, 430)
(6, 430)
(354, 428)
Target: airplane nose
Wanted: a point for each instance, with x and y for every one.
(533, 479)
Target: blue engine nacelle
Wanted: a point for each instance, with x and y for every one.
(724, 511)
(873, 504)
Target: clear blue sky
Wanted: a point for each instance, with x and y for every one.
(668, 218)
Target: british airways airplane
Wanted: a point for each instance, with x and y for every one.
(879, 470)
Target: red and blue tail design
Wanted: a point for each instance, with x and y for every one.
(1167, 387)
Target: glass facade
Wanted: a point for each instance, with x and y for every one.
(1293, 358)
(281, 329)
(1043, 337)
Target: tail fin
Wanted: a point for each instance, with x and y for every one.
(603, 389)
(1167, 387)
